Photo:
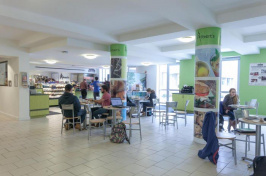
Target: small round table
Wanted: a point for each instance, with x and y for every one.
(114, 109)
(258, 130)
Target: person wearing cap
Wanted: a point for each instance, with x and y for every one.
(69, 98)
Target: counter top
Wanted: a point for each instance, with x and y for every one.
(185, 93)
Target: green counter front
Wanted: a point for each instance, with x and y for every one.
(39, 105)
(181, 99)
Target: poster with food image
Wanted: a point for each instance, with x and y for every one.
(198, 123)
(207, 62)
(205, 94)
(118, 89)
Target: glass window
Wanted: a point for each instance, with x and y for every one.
(103, 74)
(230, 75)
(168, 81)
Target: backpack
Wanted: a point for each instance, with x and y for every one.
(119, 134)
(259, 166)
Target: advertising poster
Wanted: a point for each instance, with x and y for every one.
(205, 94)
(257, 74)
(207, 62)
(118, 89)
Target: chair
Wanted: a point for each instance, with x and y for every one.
(158, 110)
(165, 118)
(152, 108)
(240, 114)
(230, 137)
(69, 107)
(183, 113)
(134, 112)
(118, 119)
(96, 121)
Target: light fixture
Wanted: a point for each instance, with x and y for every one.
(106, 66)
(146, 63)
(186, 39)
(89, 56)
(50, 61)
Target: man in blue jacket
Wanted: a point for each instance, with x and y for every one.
(208, 131)
(69, 98)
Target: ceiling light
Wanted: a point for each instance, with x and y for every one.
(106, 66)
(186, 39)
(50, 61)
(90, 56)
(146, 63)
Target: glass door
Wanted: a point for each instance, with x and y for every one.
(168, 81)
(230, 75)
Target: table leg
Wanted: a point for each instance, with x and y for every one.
(258, 140)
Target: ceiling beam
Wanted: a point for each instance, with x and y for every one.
(31, 21)
(176, 48)
(85, 44)
(244, 17)
(50, 45)
(32, 39)
(154, 34)
(254, 38)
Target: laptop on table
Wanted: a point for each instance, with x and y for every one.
(117, 102)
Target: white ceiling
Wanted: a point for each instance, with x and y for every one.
(150, 28)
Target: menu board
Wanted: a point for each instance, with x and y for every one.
(257, 74)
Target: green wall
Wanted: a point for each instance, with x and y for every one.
(246, 92)
(187, 72)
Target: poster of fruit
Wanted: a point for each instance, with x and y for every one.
(207, 62)
(205, 94)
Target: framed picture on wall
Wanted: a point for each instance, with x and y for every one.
(3, 74)
(24, 79)
(16, 80)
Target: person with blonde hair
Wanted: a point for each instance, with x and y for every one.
(229, 99)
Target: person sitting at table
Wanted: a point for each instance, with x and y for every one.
(229, 99)
(69, 98)
(152, 96)
(104, 101)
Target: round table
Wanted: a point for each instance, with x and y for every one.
(258, 130)
(242, 107)
(114, 109)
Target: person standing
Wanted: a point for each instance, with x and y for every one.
(83, 88)
(95, 85)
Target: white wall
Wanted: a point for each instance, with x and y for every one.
(151, 75)
(14, 100)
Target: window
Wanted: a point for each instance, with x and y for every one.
(104, 74)
(168, 81)
(229, 75)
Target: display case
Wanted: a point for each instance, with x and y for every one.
(54, 91)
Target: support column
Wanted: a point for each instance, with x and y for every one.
(118, 73)
(207, 77)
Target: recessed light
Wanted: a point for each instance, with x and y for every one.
(50, 61)
(106, 66)
(146, 63)
(186, 39)
(89, 56)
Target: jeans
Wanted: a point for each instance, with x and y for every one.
(82, 113)
(96, 94)
(231, 115)
(145, 104)
(96, 113)
(84, 93)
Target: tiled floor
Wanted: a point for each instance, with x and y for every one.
(36, 148)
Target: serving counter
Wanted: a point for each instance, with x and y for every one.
(39, 105)
(181, 98)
